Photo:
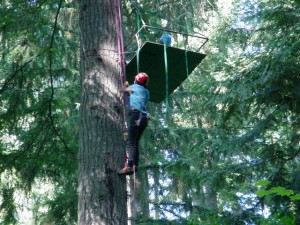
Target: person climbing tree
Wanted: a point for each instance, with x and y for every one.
(137, 120)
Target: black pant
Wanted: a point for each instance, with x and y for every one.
(136, 126)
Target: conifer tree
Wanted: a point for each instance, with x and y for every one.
(102, 193)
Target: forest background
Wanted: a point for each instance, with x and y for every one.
(225, 152)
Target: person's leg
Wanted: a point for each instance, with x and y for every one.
(140, 130)
(131, 146)
(132, 132)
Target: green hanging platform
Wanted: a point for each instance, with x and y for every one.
(151, 61)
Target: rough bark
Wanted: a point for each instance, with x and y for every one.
(138, 199)
(102, 193)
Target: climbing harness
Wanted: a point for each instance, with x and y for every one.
(138, 121)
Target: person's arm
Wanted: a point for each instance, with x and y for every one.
(126, 88)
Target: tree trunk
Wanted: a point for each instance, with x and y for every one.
(142, 194)
(138, 191)
(156, 174)
(102, 192)
(210, 197)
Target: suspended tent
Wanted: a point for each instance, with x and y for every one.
(167, 66)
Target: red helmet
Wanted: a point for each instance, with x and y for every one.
(142, 78)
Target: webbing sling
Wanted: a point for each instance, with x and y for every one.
(166, 78)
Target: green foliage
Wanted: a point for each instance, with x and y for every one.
(8, 207)
(276, 190)
(195, 220)
(39, 87)
(233, 125)
(62, 208)
(279, 219)
(237, 121)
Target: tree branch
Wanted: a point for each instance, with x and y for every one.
(50, 114)
(11, 77)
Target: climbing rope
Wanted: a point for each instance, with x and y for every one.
(190, 31)
(138, 37)
(121, 60)
(138, 54)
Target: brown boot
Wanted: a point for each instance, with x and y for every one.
(127, 170)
